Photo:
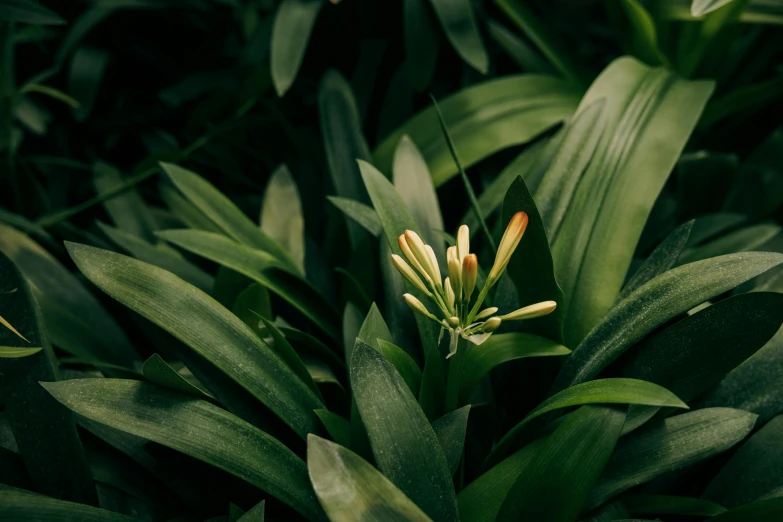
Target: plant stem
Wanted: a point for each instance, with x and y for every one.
(454, 380)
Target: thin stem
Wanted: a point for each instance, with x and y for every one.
(479, 300)
(454, 380)
(468, 188)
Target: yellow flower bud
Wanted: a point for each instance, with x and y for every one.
(449, 292)
(469, 275)
(486, 312)
(463, 242)
(406, 249)
(455, 276)
(417, 306)
(511, 237)
(532, 311)
(408, 273)
(492, 324)
(433, 264)
(419, 250)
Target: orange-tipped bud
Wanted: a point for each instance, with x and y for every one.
(463, 242)
(511, 237)
(408, 273)
(469, 275)
(532, 311)
(402, 242)
(492, 324)
(486, 312)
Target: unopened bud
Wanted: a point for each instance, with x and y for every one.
(469, 275)
(453, 321)
(419, 250)
(408, 273)
(491, 324)
(417, 306)
(433, 264)
(463, 242)
(487, 312)
(508, 243)
(402, 242)
(449, 293)
(455, 276)
(532, 311)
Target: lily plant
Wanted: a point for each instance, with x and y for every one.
(452, 295)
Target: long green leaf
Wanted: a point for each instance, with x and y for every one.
(571, 460)
(281, 215)
(702, 7)
(661, 299)
(404, 364)
(157, 371)
(14, 352)
(483, 120)
(673, 444)
(499, 349)
(291, 30)
(649, 115)
(742, 240)
(262, 268)
(22, 506)
(403, 442)
(769, 510)
(44, 431)
(205, 326)
(602, 391)
(450, 430)
(754, 472)
(351, 490)
(196, 428)
(363, 214)
(646, 504)
(127, 210)
(459, 23)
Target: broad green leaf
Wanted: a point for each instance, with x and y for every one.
(44, 431)
(351, 490)
(531, 268)
(74, 318)
(256, 513)
(483, 119)
(14, 352)
(363, 214)
(343, 141)
(517, 49)
(17, 505)
(643, 33)
(160, 255)
(422, 40)
(281, 214)
(223, 213)
(742, 240)
(646, 504)
(404, 364)
(650, 114)
(252, 302)
(413, 182)
(768, 510)
(28, 12)
(262, 268)
(571, 460)
(185, 211)
(481, 500)
(670, 445)
(709, 226)
(499, 349)
(289, 355)
(601, 391)
(656, 302)
(702, 7)
(404, 444)
(754, 472)
(84, 78)
(660, 260)
(339, 428)
(373, 329)
(293, 24)
(459, 23)
(157, 371)
(127, 210)
(450, 430)
(432, 393)
(196, 428)
(205, 326)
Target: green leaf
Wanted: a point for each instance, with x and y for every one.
(670, 445)
(650, 114)
(531, 268)
(483, 119)
(601, 391)
(17, 505)
(281, 214)
(252, 302)
(186, 211)
(481, 500)
(222, 211)
(643, 33)
(499, 349)
(432, 393)
(14, 352)
(75, 320)
(571, 460)
(363, 214)
(205, 326)
(262, 268)
(702, 7)
(657, 301)
(413, 182)
(127, 210)
(450, 430)
(160, 255)
(769, 510)
(343, 141)
(196, 428)
(256, 513)
(50, 92)
(339, 428)
(517, 49)
(44, 431)
(404, 364)
(742, 240)
(710, 225)
(28, 12)
(660, 260)
(646, 504)
(404, 444)
(157, 371)
(86, 71)
(293, 24)
(373, 330)
(351, 490)
(459, 24)
(421, 40)
(754, 472)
